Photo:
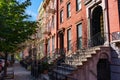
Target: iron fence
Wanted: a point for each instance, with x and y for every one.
(76, 55)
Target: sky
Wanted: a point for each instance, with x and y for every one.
(33, 9)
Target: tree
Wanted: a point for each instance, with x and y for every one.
(15, 27)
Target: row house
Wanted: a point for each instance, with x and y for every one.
(86, 35)
(113, 8)
(50, 27)
(72, 28)
(40, 31)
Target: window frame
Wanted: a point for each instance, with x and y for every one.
(48, 46)
(78, 5)
(69, 39)
(61, 16)
(53, 24)
(61, 1)
(53, 43)
(68, 9)
(79, 36)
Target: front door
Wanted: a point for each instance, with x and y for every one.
(61, 35)
(97, 28)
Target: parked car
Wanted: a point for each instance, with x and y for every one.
(1, 68)
(2, 64)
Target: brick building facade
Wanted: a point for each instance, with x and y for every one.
(72, 22)
(87, 34)
(50, 17)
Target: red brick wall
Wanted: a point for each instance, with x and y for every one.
(47, 20)
(76, 17)
(113, 15)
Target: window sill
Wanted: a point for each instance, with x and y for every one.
(77, 11)
(68, 18)
(61, 2)
(61, 22)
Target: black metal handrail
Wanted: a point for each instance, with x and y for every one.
(56, 53)
(79, 52)
(70, 78)
(115, 35)
(96, 40)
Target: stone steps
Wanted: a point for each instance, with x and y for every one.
(61, 71)
(74, 60)
(81, 56)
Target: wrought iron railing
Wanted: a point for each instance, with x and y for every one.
(86, 1)
(56, 53)
(78, 54)
(115, 36)
(75, 58)
(96, 40)
(70, 78)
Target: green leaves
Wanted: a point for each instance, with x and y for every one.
(14, 29)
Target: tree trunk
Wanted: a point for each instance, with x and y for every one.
(5, 67)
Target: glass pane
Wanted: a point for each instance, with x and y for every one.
(68, 10)
(79, 36)
(69, 45)
(78, 4)
(69, 34)
(48, 46)
(61, 16)
(79, 30)
(53, 41)
(69, 39)
(79, 43)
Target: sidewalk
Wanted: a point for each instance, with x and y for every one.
(10, 73)
(21, 73)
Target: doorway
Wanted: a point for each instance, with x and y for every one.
(61, 41)
(103, 69)
(97, 28)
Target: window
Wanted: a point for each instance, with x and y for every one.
(52, 22)
(42, 48)
(48, 46)
(68, 10)
(69, 39)
(55, 3)
(61, 1)
(79, 36)
(78, 5)
(49, 27)
(53, 43)
(61, 16)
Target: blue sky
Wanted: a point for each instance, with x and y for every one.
(33, 9)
